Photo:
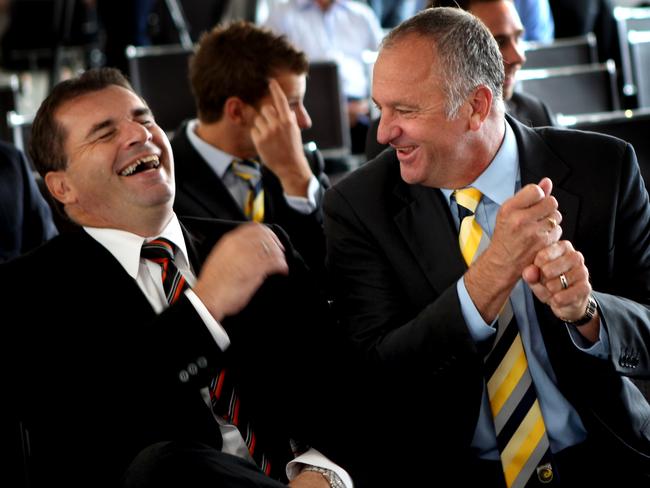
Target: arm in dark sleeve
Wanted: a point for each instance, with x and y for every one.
(25, 217)
(379, 318)
(625, 303)
(38, 224)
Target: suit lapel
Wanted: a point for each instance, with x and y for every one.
(198, 182)
(201, 235)
(425, 223)
(536, 161)
(195, 244)
(115, 281)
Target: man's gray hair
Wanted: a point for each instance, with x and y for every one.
(468, 56)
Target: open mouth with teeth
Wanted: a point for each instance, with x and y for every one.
(148, 162)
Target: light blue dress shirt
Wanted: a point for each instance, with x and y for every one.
(537, 18)
(498, 183)
(220, 162)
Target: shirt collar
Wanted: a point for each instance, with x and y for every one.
(498, 181)
(218, 160)
(125, 246)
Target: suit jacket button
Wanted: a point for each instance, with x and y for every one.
(202, 362)
(184, 376)
(192, 369)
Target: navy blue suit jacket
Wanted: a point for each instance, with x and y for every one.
(25, 217)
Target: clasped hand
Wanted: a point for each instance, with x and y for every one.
(526, 243)
(237, 266)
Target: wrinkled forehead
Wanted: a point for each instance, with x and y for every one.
(409, 59)
(113, 102)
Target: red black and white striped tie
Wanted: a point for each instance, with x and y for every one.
(223, 394)
(226, 404)
(162, 251)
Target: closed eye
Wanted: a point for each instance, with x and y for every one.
(105, 136)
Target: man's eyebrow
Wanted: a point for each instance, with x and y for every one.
(139, 112)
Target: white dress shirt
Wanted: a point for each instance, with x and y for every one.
(125, 248)
(341, 34)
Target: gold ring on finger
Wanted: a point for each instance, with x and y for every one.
(563, 281)
(552, 221)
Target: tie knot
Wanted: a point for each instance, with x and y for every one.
(468, 198)
(246, 169)
(158, 249)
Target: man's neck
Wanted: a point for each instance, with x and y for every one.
(227, 138)
(147, 224)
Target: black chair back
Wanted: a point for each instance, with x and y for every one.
(159, 74)
(327, 108)
(639, 44)
(629, 19)
(573, 89)
(632, 126)
(562, 52)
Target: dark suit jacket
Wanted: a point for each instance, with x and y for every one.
(95, 375)
(201, 193)
(25, 217)
(527, 109)
(394, 261)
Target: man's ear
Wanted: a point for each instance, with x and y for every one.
(237, 110)
(58, 186)
(481, 104)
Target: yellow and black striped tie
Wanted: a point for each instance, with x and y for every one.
(521, 434)
(249, 171)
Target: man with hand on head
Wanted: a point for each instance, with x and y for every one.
(149, 350)
(496, 278)
(243, 157)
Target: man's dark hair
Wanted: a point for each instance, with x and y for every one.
(237, 60)
(46, 147)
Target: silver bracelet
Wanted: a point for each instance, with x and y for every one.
(332, 478)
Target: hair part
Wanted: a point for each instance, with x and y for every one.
(47, 141)
(467, 54)
(238, 59)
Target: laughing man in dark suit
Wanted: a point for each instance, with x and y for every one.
(100, 364)
(560, 238)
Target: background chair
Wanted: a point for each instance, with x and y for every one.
(639, 45)
(573, 89)
(562, 52)
(20, 127)
(632, 126)
(629, 19)
(159, 74)
(9, 88)
(326, 106)
(49, 35)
